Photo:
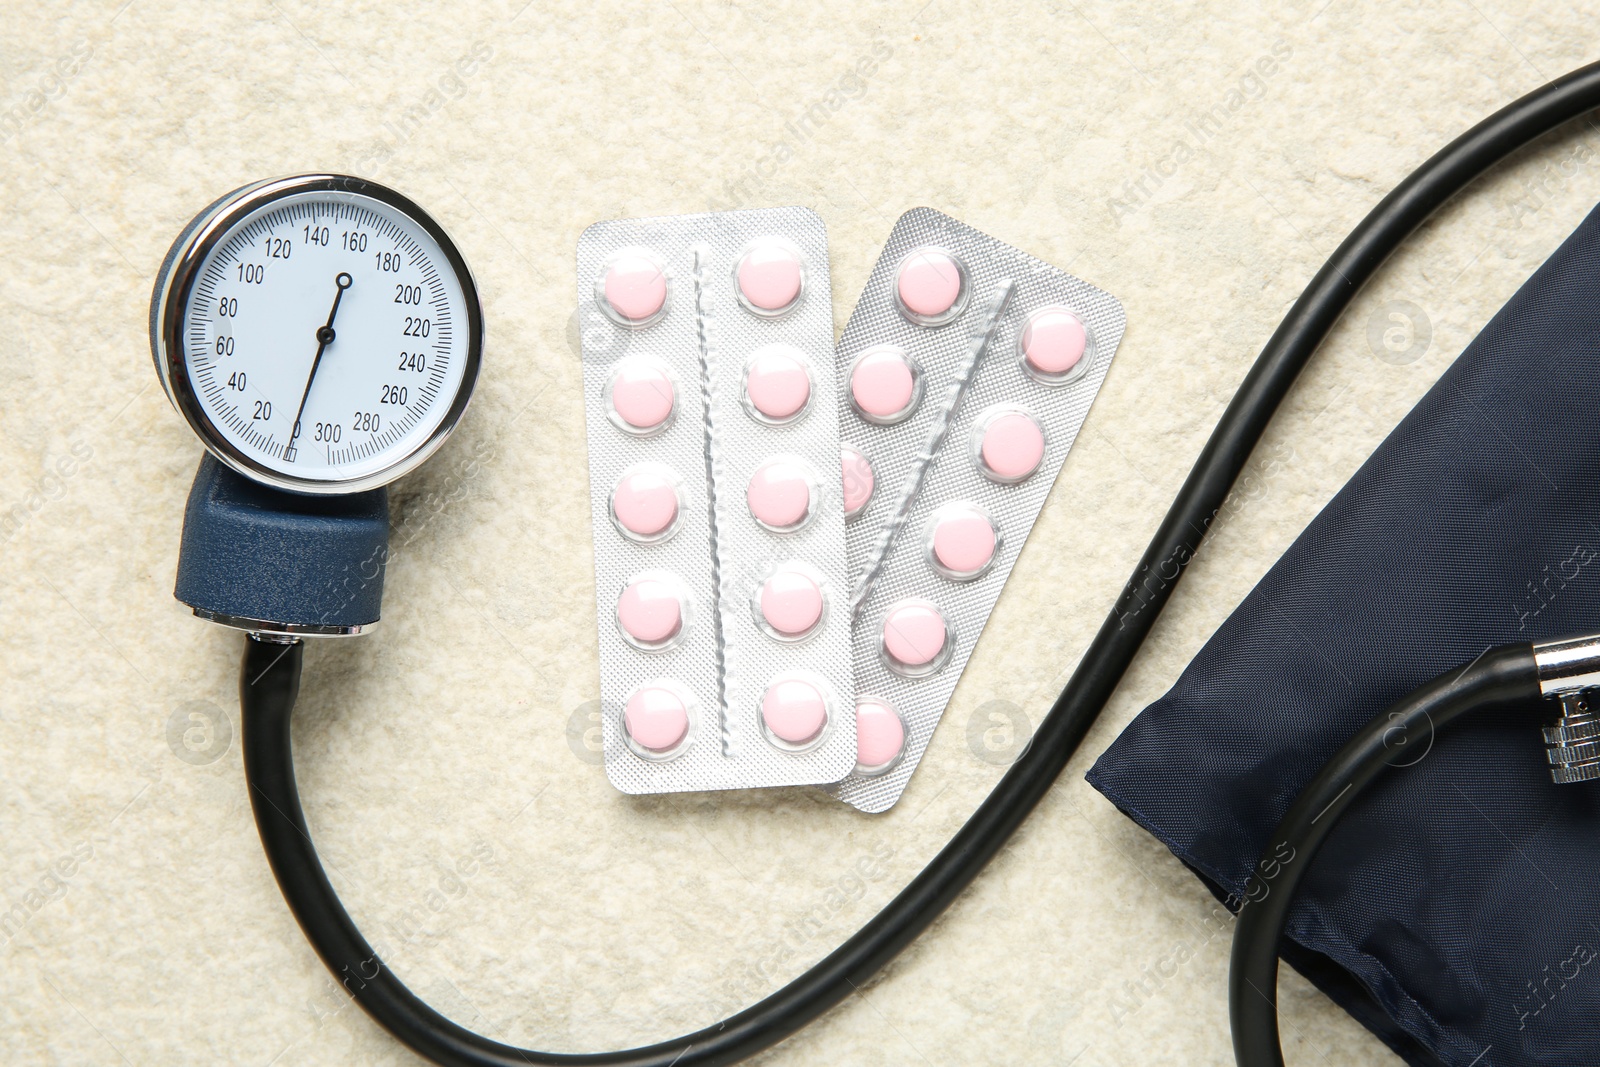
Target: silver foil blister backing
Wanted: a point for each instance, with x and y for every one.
(1008, 285)
(714, 443)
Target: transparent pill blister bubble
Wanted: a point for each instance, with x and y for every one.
(1007, 444)
(658, 719)
(964, 375)
(790, 601)
(1054, 346)
(647, 503)
(777, 384)
(783, 494)
(631, 287)
(885, 385)
(797, 711)
(770, 275)
(915, 638)
(641, 396)
(654, 611)
(859, 480)
(931, 286)
(880, 737)
(961, 541)
(721, 571)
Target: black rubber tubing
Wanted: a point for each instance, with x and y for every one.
(1501, 674)
(267, 701)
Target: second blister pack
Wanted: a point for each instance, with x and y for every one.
(720, 561)
(964, 373)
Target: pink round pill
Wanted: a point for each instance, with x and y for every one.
(645, 503)
(1053, 343)
(791, 602)
(880, 736)
(656, 718)
(929, 284)
(777, 383)
(770, 276)
(635, 287)
(779, 495)
(794, 710)
(650, 611)
(915, 634)
(1012, 446)
(963, 542)
(883, 384)
(858, 480)
(642, 394)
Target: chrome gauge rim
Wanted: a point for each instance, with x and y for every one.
(175, 288)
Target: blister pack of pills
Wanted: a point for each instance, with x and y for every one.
(964, 374)
(720, 563)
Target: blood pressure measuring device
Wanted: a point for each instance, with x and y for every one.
(322, 336)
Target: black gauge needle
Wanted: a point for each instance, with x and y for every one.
(325, 336)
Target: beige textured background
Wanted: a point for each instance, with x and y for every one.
(518, 891)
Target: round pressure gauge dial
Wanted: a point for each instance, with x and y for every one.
(321, 334)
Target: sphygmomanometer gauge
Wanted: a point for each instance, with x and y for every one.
(320, 333)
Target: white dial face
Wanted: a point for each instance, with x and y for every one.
(326, 336)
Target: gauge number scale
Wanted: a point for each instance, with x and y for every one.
(326, 340)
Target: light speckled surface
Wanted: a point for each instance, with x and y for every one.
(150, 930)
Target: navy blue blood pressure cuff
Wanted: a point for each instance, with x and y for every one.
(1455, 911)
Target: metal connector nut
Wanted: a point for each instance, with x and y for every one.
(1573, 743)
(1568, 670)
